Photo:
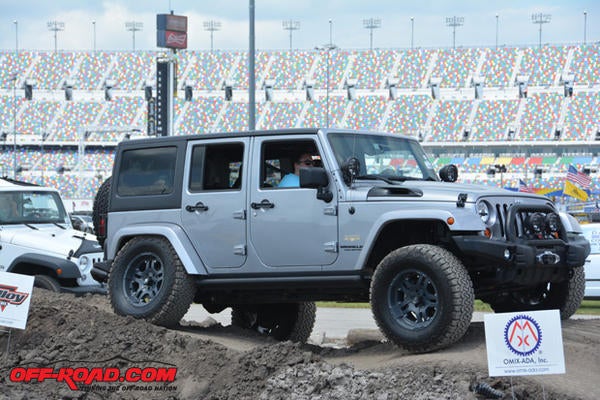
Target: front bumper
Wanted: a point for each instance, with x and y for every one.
(526, 261)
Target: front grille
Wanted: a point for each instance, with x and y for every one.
(511, 221)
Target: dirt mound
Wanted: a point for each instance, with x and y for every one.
(65, 332)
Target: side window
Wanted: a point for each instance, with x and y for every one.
(148, 171)
(216, 167)
(282, 159)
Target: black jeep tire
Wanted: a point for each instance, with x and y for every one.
(147, 280)
(286, 321)
(565, 296)
(422, 298)
(100, 209)
(47, 282)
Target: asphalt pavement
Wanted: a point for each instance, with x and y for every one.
(330, 323)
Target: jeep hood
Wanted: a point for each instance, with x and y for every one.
(50, 239)
(429, 191)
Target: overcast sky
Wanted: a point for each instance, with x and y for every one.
(514, 19)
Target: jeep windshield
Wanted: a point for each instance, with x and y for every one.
(382, 157)
(32, 207)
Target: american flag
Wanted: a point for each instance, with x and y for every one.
(524, 188)
(579, 178)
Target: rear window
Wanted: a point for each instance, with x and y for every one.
(149, 171)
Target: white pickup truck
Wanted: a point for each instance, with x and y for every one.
(592, 264)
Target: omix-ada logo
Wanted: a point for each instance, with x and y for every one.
(523, 335)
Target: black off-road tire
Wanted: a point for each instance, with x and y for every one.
(287, 321)
(100, 208)
(422, 298)
(47, 282)
(147, 280)
(564, 296)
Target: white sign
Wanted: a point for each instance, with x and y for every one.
(15, 296)
(524, 343)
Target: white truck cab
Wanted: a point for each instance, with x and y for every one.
(37, 239)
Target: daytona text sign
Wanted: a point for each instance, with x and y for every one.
(15, 296)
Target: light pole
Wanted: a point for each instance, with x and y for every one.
(212, 27)
(134, 27)
(584, 27)
(56, 26)
(16, 36)
(453, 22)
(541, 19)
(94, 35)
(291, 26)
(328, 48)
(412, 32)
(14, 79)
(44, 137)
(497, 30)
(371, 24)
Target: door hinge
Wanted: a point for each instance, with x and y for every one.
(331, 247)
(239, 214)
(330, 210)
(239, 250)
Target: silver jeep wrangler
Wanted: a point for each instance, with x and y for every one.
(204, 219)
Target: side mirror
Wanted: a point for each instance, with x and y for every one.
(316, 178)
(313, 178)
(350, 170)
(449, 173)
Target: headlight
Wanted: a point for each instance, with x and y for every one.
(535, 222)
(83, 262)
(553, 222)
(485, 212)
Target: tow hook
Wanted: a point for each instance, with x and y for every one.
(548, 257)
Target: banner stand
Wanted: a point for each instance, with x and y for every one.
(9, 331)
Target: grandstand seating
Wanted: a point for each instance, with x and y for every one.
(456, 66)
(586, 64)
(499, 66)
(413, 111)
(493, 118)
(541, 116)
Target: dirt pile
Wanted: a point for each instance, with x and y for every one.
(82, 335)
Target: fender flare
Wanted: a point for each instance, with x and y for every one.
(428, 214)
(68, 268)
(182, 245)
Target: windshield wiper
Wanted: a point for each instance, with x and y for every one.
(59, 225)
(376, 177)
(35, 228)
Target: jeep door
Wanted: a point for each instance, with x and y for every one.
(289, 226)
(213, 199)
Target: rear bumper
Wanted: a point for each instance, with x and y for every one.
(100, 271)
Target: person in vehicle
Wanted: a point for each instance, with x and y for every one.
(293, 178)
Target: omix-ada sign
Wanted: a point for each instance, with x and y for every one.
(524, 343)
(15, 296)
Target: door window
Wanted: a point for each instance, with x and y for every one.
(216, 167)
(281, 161)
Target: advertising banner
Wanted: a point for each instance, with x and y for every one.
(15, 296)
(524, 343)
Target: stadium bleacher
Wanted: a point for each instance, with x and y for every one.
(553, 129)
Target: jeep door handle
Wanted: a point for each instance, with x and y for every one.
(198, 207)
(263, 204)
